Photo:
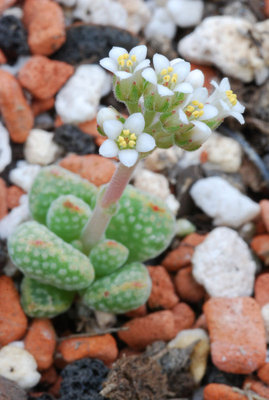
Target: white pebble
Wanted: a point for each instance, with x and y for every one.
(5, 150)
(224, 203)
(152, 183)
(40, 148)
(265, 315)
(79, 99)
(14, 11)
(223, 264)
(161, 25)
(24, 175)
(18, 365)
(172, 203)
(16, 216)
(186, 13)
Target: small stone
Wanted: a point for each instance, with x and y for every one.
(40, 148)
(16, 216)
(14, 11)
(137, 312)
(194, 239)
(4, 4)
(186, 286)
(216, 391)
(18, 365)
(262, 289)
(223, 153)
(74, 140)
(138, 14)
(102, 347)
(263, 373)
(5, 149)
(153, 183)
(13, 322)
(93, 167)
(17, 113)
(43, 77)
(184, 227)
(40, 106)
(40, 341)
(14, 69)
(186, 13)
(24, 175)
(264, 204)
(161, 25)
(162, 159)
(200, 340)
(10, 390)
(90, 128)
(145, 330)
(13, 37)
(184, 317)
(260, 245)
(178, 258)
(256, 386)
(224, 265)
(221, 201)
(237, 334)
(224, 41)
(162, 293)
(44, 21)
(14, 194)
(265, 316)
(3, 199)
(78, 100)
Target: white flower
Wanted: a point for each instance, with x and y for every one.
(168, 76)
(106, 113)
(226, 101)
(124, 64)
(126, 140)
(195, 108)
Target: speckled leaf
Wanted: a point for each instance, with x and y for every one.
(54, 181)
(143, 224)
(121, 291)
(43, 301)
(43, 256)
(108, 256)
(67, 217)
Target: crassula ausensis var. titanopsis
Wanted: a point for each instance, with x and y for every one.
(92, 242)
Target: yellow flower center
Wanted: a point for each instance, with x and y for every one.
(231, 97)
(126, 140)
(126, 61)
(168, 78)
(195, 109)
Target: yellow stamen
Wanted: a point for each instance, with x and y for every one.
(122, 63)
(166, 78)
(131, 143)
(164, 71)
(133, 58)
(195, 114)
(195, 102)
(201, 113)
(190, 108)
(126, 132)
(174, 78)
(229, 92)
(129, 63)
(125, 56)
(120, 58)
(170, 69)
(200, 105)
(133, 136)
(123, 144)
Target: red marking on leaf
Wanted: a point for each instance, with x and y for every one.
(69, 204)
(106, 293)
(38, 242)
(111, 243)
(138, 284)
(190, 140)
(156, 208)
(134, 83)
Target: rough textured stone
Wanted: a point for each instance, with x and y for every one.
(40, 106)
(9, 390)
(186, 286)
(14, 194)
(264, 204)
(237, 334)
(221, 201)
(217, 391)
(186, 13)
(74, 140)
(263, 373)
(184, 317)
(260, 245)
(262, 289)
(13, 38)
(223, 264)
(16, 111)
(4, 4)
(178, 258)
(3, 199)
(43, 77)
(40, 148)
(162, 292)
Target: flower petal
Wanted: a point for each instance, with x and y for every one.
(150, 75)
(128, 157)
(224, 105)
(196, 78)
(200, 132)
(123, 74)
(238, 107)
(108, 64)
(200, 94)
(106, 113)
(142, 64)
(135, 123)
(238, 116)
(209, 112)
(183, 117)
(115, 52)
(112, 128)
(160, 62)
(145, 142)
(214, 83)
(140, 52)
(225, 84)
(182, 69)
(164, 91)
(184, 87)
(108, 149)
(175, 61)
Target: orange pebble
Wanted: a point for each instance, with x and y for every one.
(3, 198)
(138, 312)
(262, 289)
(184, 317)
(178, 258)
(163, 291)
(3, 59)
(187, 287)
(16, 112)
(4, 4)
(263, 373)
(209, 74)
(40, 106)
(265, 212)
(14, 194)
(102, 347)
(237, 334)
(90, 127)
(260, 245)
(40, 341)
(201, 322)
(257, 387)
(266, 8)
(193, 239)
(49, 376)
(143, 331)
(217, 391)
(43, 77)
(13, 321)
(96, 169)
(44, 20)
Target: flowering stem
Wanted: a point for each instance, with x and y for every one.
(106, 206)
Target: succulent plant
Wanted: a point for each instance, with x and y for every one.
(121, 291)
(44, 301)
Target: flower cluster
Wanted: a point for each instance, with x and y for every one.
(168, 103)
